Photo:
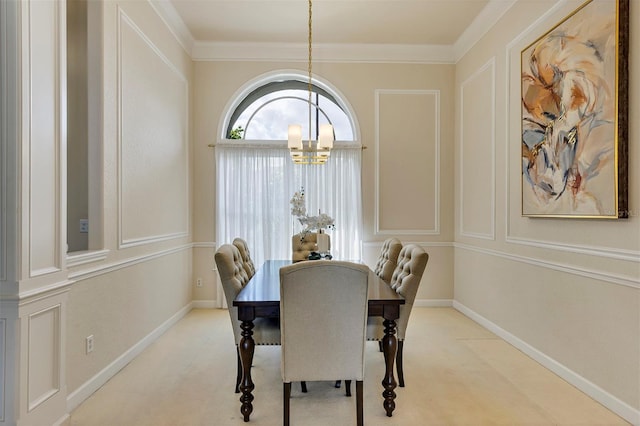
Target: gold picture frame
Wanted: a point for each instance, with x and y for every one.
(574, 97)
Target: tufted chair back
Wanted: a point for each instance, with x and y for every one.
(233, 277)
(405, 280)
(302, 246)
(388, 259)
(243, 248)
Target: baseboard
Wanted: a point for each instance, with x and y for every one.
(433, 303)
(75, 398)
(61, 421)
(204, 304)
(614, 404)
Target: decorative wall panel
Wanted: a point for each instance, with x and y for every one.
(408, 156)
(3, 363)
(153, 141)
(477, 154)
(43, 133)
(44, 356)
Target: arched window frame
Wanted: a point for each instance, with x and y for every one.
(251, 91)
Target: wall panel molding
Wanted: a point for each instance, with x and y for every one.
(129, 233)
(626, 281)
(124, 243)
(77, 259)
(610, 253)
(45, 292)
(9, 362)
(434, 229)
(115, 266)
(44, 132)
(3, 365)
(470, 142)
(44, 355)
(8, 136)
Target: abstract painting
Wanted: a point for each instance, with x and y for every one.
(574, 89)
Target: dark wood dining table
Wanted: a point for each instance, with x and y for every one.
(261, 298)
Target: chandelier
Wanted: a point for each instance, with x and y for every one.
(313, 152)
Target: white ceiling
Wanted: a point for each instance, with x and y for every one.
(413, 24)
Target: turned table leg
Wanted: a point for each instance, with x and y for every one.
(389, 348)
(246, 347)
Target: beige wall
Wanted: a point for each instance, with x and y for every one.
(138, 282)
(414, 184)
(565, 291)
(145, 278)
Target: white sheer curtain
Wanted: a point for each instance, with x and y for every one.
(255, 182)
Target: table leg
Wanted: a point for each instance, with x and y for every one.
(389, 348)
(247, 346)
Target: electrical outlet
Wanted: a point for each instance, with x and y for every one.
(199, 282)
(84, 226)
(89, 344)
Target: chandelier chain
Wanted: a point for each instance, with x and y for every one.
(309, 69)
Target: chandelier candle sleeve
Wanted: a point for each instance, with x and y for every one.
(325, 139)
(295, 136)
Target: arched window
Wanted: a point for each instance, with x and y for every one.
(256, 179)
(266, 112)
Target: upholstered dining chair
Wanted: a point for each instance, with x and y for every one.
(405, 280)
(301, 246)
(243, 248)
(323, 317)
(388, 259)
(234, 277)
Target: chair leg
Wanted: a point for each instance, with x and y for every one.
(286, 394)
(359, 403)
(239, 373)
(347, 387)
(338, 384)
(399, 363)
(303, 385)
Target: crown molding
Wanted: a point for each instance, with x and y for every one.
(364, 53)
(297, 52)
(174, 23)
(485, 20)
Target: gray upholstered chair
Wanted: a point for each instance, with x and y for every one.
(388, 259)
(234, 277)
(323, 317)
(301, 246)
(405, 280)
(243, 248)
